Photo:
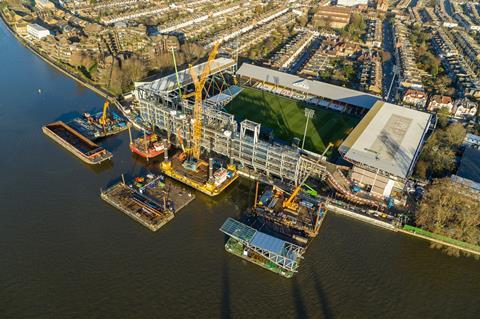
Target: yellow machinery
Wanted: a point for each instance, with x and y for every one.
(290, 202)
(103, 119)
(197, 110)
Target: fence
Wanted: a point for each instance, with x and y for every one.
(441, 238)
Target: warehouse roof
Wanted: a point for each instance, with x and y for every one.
(388, 138)
(314, 88)
(169, 83)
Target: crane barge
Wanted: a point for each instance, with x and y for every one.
(210, 177)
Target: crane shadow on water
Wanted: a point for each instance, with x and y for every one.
(225, 310)
(326, 309)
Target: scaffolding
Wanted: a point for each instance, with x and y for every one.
(281, 253)
(161, 105)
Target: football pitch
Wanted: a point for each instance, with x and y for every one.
(287, 119)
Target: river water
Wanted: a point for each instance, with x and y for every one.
(64, 253)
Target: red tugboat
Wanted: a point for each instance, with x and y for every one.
(148, 146)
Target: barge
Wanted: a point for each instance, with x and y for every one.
(202, 177)
(149, 146)
(264, 250)
(151, 200)
(303, 219)
(76, 143)
(90, 125)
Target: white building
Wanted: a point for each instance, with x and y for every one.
(351, 3)
(37, 31)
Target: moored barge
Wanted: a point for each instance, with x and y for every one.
(76, 143)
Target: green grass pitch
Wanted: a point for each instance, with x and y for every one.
(287, 119)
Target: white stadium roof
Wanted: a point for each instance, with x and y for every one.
(314, 88)
(388, 138)
(169, 83)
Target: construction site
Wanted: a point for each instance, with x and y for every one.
(210, 148)
(151, 200)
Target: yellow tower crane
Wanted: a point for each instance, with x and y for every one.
(197, 110)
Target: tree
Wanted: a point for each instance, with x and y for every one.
(442, 117)
(438, 155)
(447, 209)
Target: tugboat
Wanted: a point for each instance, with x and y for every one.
(148, 146)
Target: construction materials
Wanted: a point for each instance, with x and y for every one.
(152, 200)
(76, 143)
(304, 221)
(148, 146)
(100, 124)
(198, 177)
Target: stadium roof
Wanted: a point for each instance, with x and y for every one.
(169, 83)
(314, 88)
(388, 138)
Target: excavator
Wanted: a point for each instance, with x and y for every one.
(103, 119)
(290, 203)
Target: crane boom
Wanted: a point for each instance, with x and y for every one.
(290, 202)
(197, 110)
(103, 119)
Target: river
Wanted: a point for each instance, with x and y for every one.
(64, 253)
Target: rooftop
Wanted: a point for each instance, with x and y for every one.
(388, 138)
(37, 27)
(262, 242)
(169, 83)
(470, 165)
(311, 87)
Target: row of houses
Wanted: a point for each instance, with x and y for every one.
(371, 75)
(374, 34)
(449, 47)
(463, 108)
(410, 74)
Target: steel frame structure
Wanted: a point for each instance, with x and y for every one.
(221, 133)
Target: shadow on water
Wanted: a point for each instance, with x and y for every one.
(297, 297)
(225, 311)
(326, 309)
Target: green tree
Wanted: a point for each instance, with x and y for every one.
(442, 117)
(438, 155)
(447, 209)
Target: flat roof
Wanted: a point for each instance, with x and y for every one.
(169, 83)
(37, 27)
(311, 87)
(255, 238)
(470, 165)
(388, 138)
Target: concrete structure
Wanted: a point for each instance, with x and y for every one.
(309, 91)
(385, 146)
(37, 31)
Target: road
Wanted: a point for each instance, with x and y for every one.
(388, 66)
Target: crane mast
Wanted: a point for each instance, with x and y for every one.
(197, 110)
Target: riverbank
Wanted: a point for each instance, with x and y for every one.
(98, 90)
(407, 230)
